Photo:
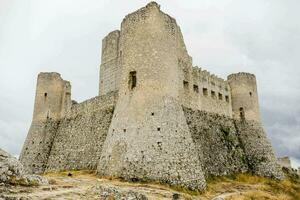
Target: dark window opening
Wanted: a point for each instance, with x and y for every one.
(48, 115)
(45, 95)
(158, 129)
(242, 113)
(205, 91)
(213, 94)
(220, 96)
(196, 88)
(124, 130)
(152, 114)
(132, 80)
(227, 98)
(186, 85)
(250, 93)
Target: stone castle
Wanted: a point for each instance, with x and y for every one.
(157, 117)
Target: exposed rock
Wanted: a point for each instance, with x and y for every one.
(12, 172)
(109, 192)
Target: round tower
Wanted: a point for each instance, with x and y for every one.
(244, 96)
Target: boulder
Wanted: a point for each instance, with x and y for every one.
(12, 172)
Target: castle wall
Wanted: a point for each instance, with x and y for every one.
(80, 135)
(228, 146)
(110, 66)
(204, 91)
(220, 150)
(258, 149)
(37, 146)
(148, 138)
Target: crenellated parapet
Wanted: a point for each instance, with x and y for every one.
(205, 91)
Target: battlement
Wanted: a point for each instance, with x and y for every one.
(240, 75)
(142, 13)
(49, 75)
(210, 78)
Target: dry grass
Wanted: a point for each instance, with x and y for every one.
(249, 187)
(236, 187)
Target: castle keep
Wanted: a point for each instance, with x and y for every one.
(157, 117)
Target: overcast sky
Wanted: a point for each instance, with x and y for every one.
(222, 36)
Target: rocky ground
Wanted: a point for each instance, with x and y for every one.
(15, 184)
(86, 185)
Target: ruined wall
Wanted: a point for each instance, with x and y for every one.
(80, 135)
(110, 63)
(149, 138)
(227, 146)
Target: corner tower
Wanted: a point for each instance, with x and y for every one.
(52, 101)
(244, 96)
(148, 138)
(53, 97)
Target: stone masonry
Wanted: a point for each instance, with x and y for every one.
(157, 117)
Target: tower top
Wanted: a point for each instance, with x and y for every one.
(153, 4)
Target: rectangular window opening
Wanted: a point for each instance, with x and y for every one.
(227, 98)
(220, 96)
(213, 94)
(132, 79)
(186, 85)
(196, 88)
(205, 91)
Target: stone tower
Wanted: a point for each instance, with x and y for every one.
(52, 100)
(110, 66)
(244, 96)
(258, 150)
(148, 138)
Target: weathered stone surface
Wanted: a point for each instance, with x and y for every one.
(117, 193)
(12, 172)
(227, 146)
(258, 150)
(9, 167)
(81, 134)
(218, 143)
